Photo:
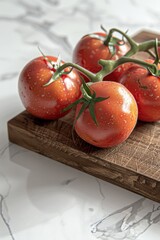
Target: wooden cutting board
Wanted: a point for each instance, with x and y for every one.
(134, 164)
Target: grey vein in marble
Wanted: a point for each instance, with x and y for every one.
(53, 2)
(3, 217)
(3, 206)
(8, 76)
(127, 224)
(12, 150)
(85, 10)
(101, 193)
(53, 24)
(68, 181)
(4, 149)
(100, 189)
(43, 28)
(31, 18)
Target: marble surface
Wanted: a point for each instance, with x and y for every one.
(40, 198)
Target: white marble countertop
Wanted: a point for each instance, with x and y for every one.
(43, 199)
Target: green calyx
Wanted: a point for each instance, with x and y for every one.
(55, 67)
(88, 100)
(57, 71)
(51, 64)
(57, 75)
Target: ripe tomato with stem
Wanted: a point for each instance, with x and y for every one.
(93, 47)
(45, 100)
(106, 114)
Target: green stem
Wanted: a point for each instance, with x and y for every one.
(151, 53)
(109, 36)
(134, 46)
(109, 65)
(156, 61)
(91, 76)
(142, 47)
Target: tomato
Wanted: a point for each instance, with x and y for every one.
(146, 89)
(47, 102)
(90, 50)
(116, 116)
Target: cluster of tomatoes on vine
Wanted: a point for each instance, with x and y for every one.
(109, 87)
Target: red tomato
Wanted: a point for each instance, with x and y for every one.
(116, 116)
(90, 50)
(146, 89)
(47, 102)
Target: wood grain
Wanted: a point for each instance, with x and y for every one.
(134, 165)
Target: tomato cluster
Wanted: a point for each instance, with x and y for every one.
(108, 108)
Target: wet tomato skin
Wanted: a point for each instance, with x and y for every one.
(116, 116)
(146, 90)
(49, 101)
(90, 50)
